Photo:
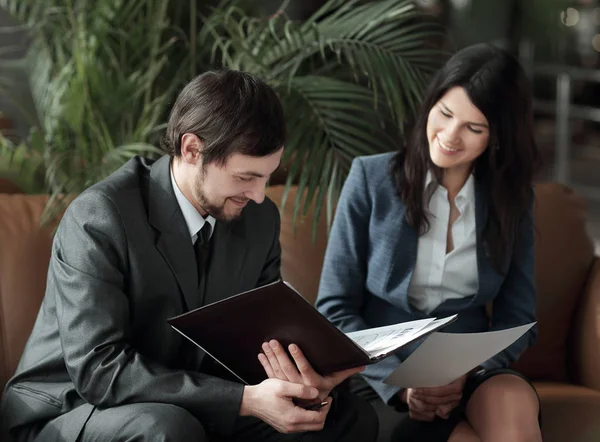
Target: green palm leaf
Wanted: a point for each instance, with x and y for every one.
(20, 166)
(349, 78)
(333, 121)
(101, 83)
(103, 74)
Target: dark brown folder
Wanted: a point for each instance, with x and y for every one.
(232, 332)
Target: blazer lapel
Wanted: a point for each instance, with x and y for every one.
(489, 279)
(481, 213)
(225, 275)
(405, 254)
(407, 258)
(173, 242)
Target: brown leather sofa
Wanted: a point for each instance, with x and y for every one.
(565, 361)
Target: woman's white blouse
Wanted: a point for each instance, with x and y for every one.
(439, 276)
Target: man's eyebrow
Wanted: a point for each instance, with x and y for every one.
(472, 123)
(250, 173)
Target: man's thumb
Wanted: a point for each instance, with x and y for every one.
(341, 376)
(300, 391)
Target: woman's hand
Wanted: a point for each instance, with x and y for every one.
(426, 403)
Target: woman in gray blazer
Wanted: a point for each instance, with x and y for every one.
(445, 226)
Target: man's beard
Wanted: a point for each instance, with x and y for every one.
(217, 211)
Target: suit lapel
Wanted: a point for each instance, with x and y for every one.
(173, 242)
(225, 271)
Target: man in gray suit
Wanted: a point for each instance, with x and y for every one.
(151, 241)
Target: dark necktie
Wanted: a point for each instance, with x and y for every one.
(201, 251)
(189, 355)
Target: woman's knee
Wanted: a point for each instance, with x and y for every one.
(463, 432)
(504, 406)
(506, 392)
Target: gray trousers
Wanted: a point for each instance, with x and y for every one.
(350, 419)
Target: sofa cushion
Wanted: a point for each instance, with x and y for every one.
(585, 334)
(24, 256)
(564, 255)
(569, 412)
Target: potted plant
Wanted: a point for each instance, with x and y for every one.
(103, 75)
(349, 78)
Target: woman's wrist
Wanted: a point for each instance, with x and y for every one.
(402, 394)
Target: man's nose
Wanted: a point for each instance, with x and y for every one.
(257, 194)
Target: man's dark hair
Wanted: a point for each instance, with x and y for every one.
(231, 112)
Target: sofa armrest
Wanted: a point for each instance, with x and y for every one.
(586, 333)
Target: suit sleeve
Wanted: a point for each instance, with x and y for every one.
(342, 288)
(516, 302)
(88, 277)
(271, 270)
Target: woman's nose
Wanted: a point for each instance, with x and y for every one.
(451, 134)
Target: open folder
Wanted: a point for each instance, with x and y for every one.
(233, 330)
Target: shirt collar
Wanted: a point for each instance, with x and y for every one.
(467, 193)
(465, 196)
(192, 217)
(428, 180)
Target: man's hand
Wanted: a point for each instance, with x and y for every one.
(425, 403)
(271, 402)
(278, 365)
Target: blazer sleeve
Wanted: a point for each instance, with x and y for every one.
(342, 289)
(87, 276)
(516, 301)
(271, 271)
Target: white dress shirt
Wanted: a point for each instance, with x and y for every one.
(193, 219)
(439, 276)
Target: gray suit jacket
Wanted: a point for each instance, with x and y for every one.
(371, 256)
(122, 263)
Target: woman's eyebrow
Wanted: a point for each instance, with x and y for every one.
(472, 123)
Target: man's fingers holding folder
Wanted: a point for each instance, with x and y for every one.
(298, 391)
(272, 401)
(277, 364)
(329, 381)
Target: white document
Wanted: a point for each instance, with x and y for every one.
(394, 343)
(382, 340)
(444, 357)
(374, 338)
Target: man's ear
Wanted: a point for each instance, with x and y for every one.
(191, 148)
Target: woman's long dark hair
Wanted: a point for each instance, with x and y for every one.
(497, 85)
